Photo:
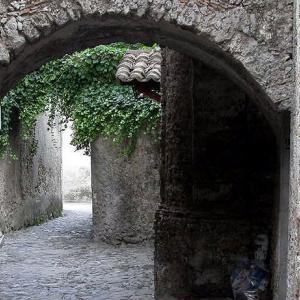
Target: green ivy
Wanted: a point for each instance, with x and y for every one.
(81, 88)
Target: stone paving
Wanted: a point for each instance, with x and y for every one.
(58, 260)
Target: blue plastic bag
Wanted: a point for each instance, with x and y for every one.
(249, 280)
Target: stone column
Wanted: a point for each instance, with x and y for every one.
(125, 190)
(172, 226)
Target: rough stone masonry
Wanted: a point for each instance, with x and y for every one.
(30, 190)
(255, 35)
(249, 42)
(125, 190)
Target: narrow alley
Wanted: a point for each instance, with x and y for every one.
(59, 260)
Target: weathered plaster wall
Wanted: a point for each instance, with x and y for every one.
(11, 214)
(125, 191)
(30, 190)
(255, 33)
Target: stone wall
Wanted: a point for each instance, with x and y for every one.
(251, 42)
(257, 35)
(125, 191)
(30, 190)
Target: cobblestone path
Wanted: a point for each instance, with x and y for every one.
(58, 260)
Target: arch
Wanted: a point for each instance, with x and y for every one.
(90, 32)
(258, 59)
(214, 32)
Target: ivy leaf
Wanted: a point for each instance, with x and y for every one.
(81, 88)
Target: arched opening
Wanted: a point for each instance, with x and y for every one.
(92, 31)
(225, 163)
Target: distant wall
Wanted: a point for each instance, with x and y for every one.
(77, 184)
(76, 169)
(125, 191)
(30, 187)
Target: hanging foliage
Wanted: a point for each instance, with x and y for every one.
(81, 88)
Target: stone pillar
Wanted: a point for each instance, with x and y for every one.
(125, 190)
(172, 226)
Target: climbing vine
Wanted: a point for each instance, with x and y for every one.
(81, 88)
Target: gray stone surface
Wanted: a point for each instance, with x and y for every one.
(172, 247)
(11, 30)
(251, 42)
(4, 55)
(293, 280)
(252, 35)
(30, 189)
(59, 261)
(125, 191)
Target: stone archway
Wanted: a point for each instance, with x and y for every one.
(255, 38)
(251, 44)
